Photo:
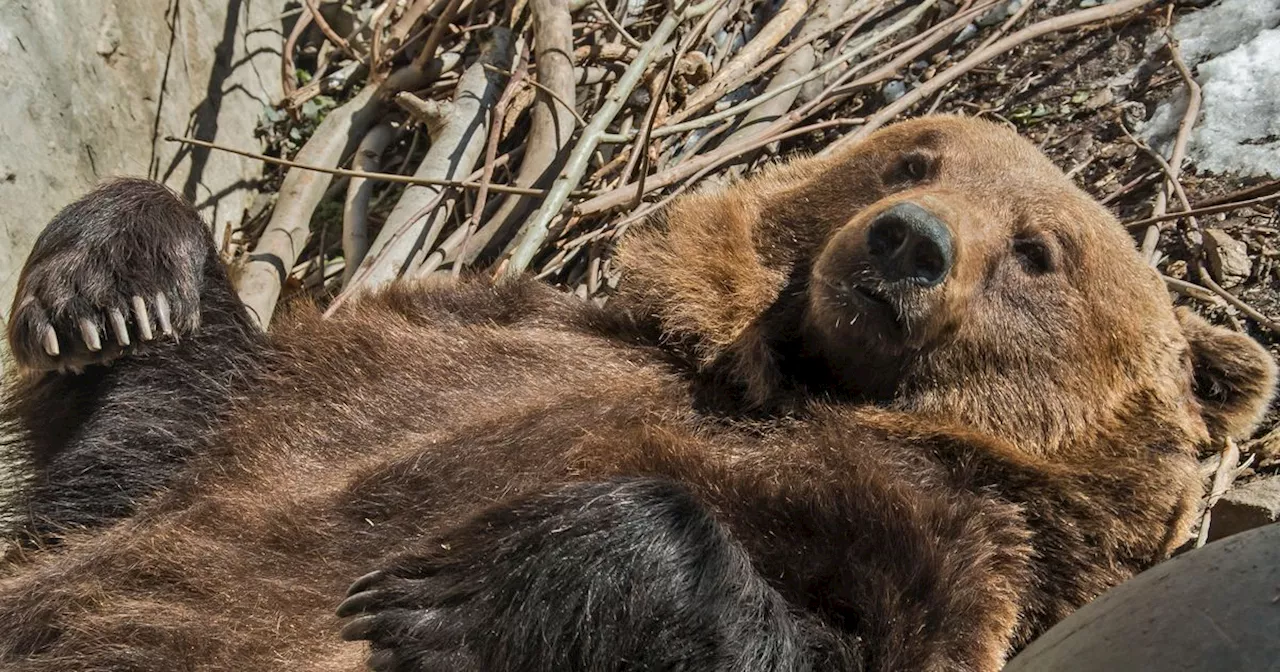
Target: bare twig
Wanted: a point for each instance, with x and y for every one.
(400, 30)
(449, 243)
(330, 34)
(784, 86)
(436, 257)
(375, 41)
(1009, 23)
(1264, 189)
(288, 74)
(551, 124)
(534, 232)
(641, 151)
(772, 33)
(1222, 480)
(1243, 307)
(796, 82)
(438, 30)
(1206, 210)
(1188, 121)
(1152, 235)
(455, 147)
(613, 21)
(287, 231)
(550, 92)
(1173, 167)
(383, 177)
(355, 210)
(688, 172)
(1191, 290)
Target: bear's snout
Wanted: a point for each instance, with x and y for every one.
(909, 243)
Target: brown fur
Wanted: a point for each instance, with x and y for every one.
(935, 495)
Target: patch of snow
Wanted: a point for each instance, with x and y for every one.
(1236, 46)
(1220, 28)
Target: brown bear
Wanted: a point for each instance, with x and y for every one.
(899, 409)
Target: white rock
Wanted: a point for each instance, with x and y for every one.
(1228, 258)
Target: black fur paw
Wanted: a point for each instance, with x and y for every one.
(112, 273)
(625, 575)
(414, 618)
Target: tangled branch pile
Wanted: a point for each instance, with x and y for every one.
(536, 131)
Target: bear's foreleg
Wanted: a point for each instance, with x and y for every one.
(129, 341)
(631, 574)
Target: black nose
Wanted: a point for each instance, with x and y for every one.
(907, 242)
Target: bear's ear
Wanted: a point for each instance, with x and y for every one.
(1234, 377)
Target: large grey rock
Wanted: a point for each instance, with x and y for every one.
(1214, 609)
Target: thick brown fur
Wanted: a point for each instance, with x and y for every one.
(742, 463)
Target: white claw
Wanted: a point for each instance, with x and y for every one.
(118, 326)
(143, 319)
(162, 314)
(50, 340)
(89, 332)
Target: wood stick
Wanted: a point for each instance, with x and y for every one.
(1222, 480)
(1206, 210)
(288, 74)
(772, 33)
(355, 209)
(1243, 307)
(287, 231)
(313, 8)
(534, 232)
(455, 147)
(369, 175)
(1173, 168)
(551, 122)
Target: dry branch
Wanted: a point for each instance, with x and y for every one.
(551, 122)
(313, 8)
(368, 175)
(534, 232)
(355, 210)
(619, 197)
(785, 91)
(288, 74)
(277, 248)
(773, 32)
(456, 144)
(1222, 479)
(1173, 168)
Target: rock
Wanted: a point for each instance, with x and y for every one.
(1228, 258)
(893, 90)
(1247, 507)
(1213, 609)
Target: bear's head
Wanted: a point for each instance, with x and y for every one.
(942, 266)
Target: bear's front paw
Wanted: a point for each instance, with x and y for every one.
(585, 576)
(67, 320)
(415, 618)
(113, 273)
